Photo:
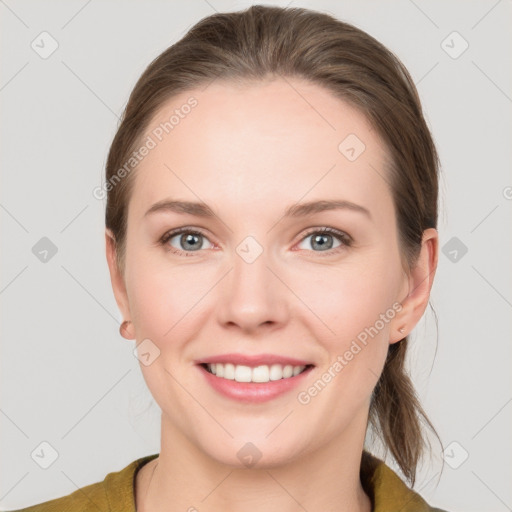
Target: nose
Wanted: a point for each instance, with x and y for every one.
(252, 295)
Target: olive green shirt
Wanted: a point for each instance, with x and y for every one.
(387, 492)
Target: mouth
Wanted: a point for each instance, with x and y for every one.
(255, 374)
(254, 379)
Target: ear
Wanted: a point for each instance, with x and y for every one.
(416, 290)
(118, 285)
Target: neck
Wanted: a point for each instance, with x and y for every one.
(184, 478)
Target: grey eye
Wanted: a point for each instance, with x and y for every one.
(322, 241)
(186, 241)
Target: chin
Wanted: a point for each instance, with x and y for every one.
(258, 452)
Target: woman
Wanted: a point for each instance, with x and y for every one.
(291, 149)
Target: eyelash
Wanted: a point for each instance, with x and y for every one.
(340, 235)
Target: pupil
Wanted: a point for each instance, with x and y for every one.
(322, 244)
(187, 239)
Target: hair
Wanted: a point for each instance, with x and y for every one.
(262, 43)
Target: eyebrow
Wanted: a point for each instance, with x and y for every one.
(200, 209)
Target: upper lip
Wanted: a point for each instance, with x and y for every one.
(253, 360)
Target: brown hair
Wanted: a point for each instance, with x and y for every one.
(264, 42)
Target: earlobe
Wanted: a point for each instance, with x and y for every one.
(420, 282)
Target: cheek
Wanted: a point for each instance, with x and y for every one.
(165, 306)
(349, 298)
(358, 308)
(165, 298)
(151, 303)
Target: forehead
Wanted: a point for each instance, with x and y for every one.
(258, 145)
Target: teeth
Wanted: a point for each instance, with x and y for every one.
(260, 374)
(229, 371)
(263, 373)
(243, 373)
(276, 372)
(287, 371)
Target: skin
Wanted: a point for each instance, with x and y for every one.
(249, 152)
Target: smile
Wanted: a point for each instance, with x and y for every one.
(258, 374)
(253, 384)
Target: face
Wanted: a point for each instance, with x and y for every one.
(258, 277)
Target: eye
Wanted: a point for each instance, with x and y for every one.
(323, 237)
(189, 239)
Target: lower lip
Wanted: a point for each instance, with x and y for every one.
(253, 392)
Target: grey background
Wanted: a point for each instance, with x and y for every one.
(70, 380)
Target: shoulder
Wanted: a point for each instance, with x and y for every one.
(90, 497)
(387, 490)
(114, 493)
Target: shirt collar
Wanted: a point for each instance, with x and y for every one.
(386, 490)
